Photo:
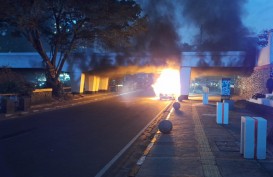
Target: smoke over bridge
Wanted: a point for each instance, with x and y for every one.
(177, 26)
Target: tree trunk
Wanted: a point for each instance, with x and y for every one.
(53, 82)
(57, 88)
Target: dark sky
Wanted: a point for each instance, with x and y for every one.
(14, 44)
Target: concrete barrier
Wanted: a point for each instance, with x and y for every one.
(40, 96)
(222, 113)
(253, 137)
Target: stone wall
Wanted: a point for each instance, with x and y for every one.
(247, 86)
(41, 96)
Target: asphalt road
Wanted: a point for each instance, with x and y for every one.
(73, 142)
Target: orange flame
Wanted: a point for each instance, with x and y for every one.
(168, 82)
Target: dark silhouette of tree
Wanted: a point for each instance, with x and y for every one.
(263, 38)
(56, 28)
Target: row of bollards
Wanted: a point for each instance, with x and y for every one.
(253, 130)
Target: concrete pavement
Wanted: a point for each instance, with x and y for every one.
(198, 147)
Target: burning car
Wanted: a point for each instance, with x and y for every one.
(166, 96)
(167, 85)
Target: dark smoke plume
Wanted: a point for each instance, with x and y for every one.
(218, 23)
(119, 71)
(161, 40)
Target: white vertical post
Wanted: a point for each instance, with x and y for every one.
(260, 137)
(222, 113)
(205, 98)
(242, 134)
(253, 137)
(247, 137)
(185, 78)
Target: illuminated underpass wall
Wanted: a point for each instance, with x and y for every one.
(190, 60)
(103, 85)
(94, 83)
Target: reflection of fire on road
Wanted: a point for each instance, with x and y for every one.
(168, 82)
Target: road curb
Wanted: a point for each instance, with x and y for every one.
(126, 163)
(133, 172)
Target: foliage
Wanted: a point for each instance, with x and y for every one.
(258, 95)
(13, 83)
(263, 38)
(67, 25)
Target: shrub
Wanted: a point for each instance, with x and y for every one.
(258, 95)
(14, 83)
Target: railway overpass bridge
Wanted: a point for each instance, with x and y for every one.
(191, 64)
(81, 80)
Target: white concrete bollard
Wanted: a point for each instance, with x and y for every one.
(205, 98)
(222, 113)
(247, 137)
(253, 137)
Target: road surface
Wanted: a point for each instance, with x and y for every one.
(73, 142)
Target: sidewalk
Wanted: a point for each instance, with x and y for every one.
(198, 147)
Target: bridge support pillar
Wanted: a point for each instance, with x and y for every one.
(185, 79)
(77, 82)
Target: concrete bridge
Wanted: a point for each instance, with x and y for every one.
(82, 81)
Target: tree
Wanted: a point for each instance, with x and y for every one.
(56, 28)
(12, 82)
(263, 38)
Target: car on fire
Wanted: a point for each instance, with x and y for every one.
(166, 96)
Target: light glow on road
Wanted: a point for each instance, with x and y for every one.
(168, 82)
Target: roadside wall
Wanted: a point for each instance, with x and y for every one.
(41, 96)
(247, 86)
(256, 82)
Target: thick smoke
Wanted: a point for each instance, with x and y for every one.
(219, 22)
(218, 71)
(161, 40)
(119, 71)
(216, 26)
